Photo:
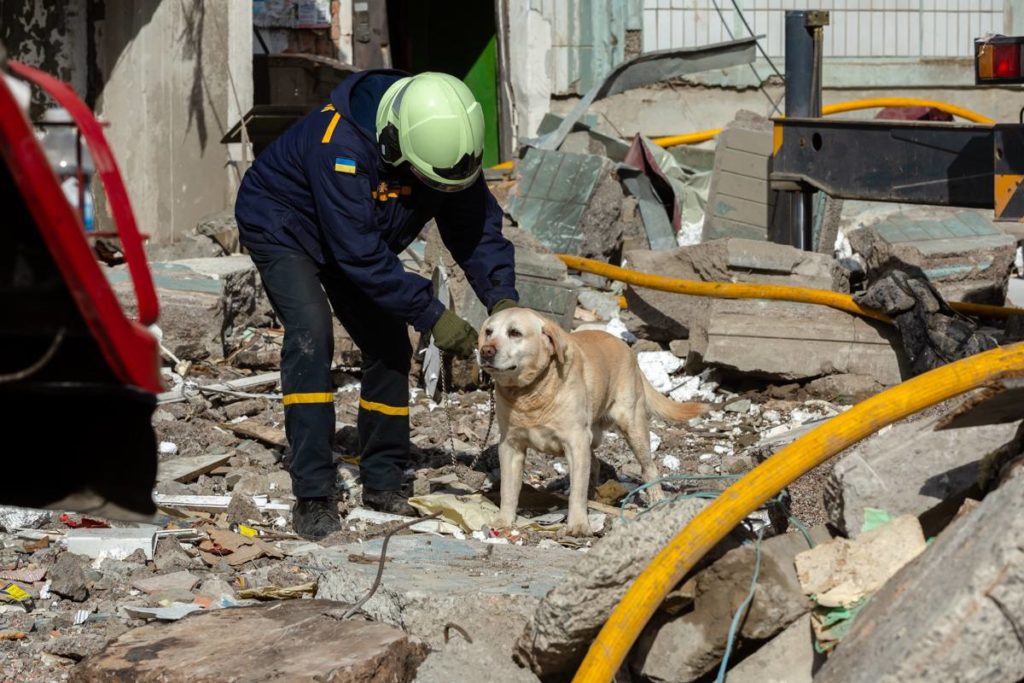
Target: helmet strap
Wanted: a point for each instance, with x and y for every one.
(390, 150)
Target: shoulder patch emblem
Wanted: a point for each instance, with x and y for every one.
(343, 165)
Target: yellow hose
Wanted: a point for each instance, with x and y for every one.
(828, 109)
(882, 102)
(736, 290)
(682, 553)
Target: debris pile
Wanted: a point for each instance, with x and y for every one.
(832, 572)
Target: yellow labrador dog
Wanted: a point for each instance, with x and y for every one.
(556, 393)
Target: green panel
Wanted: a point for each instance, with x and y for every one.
(455, 37)
(554, 191)
(482, 79)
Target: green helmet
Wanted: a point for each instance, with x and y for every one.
(432, 121)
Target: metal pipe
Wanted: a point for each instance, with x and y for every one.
(804, 45)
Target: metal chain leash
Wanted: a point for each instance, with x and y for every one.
(446, 401)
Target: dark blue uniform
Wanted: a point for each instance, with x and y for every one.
(324, 217)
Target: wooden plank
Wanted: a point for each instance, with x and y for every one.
(191, 468)
(252, 430)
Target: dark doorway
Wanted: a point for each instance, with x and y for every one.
(456, 37)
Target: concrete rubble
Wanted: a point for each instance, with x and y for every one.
(300, 637)
(666, 316)
(530, 603)
(684, 648)
(896, 561)
(570, 616)
(965, 255)
(909, 468)
(954, 611)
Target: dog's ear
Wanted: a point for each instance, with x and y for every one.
(558, 338)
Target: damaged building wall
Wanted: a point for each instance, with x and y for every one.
(563, 48)
(169, 78)
(51, 36)
(320, 27)
(176, 75)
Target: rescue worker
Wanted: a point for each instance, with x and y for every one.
(323, 212)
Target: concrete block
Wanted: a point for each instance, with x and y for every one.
(843, 572)
(908, 469)
(780, 340)
(951, 614)
(665, 316)
(67, 577)
(572, 203)
(787, 658)
(567, 619)
(204, 302)
(173, 586)
(740, 203)
(293, 640)
(963, 254)
(846, 389)
(489, 590)
(684, 648)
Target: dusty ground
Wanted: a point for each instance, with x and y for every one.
(45, 643)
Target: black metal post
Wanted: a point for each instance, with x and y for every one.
(804, 41)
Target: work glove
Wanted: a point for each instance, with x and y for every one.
(453, 334)
(502, 305)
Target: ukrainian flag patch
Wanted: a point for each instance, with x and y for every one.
(342, 165)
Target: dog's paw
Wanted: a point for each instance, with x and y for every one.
(503, 522)
(576, 530)
(655, 494)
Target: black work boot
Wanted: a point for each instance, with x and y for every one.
(387, 501)
(315, 518)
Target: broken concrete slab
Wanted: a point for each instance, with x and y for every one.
(844, 388)
(173, 586)
(908, 468)
(787, 658)
(204, 302)
(223, 644)
(951, 613)
(567, 619)
(667, 316)
(962, 253)
(187, 469)
(842, 572)
(684, 648)
(168, 555)
(75, 647)
(488, 590)
(570, 202)
(67, 577)
(782, 340)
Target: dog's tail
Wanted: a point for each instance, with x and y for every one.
(667, 409)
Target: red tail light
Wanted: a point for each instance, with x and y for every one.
(997, 59)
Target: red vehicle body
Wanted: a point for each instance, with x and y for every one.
(78, 378)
